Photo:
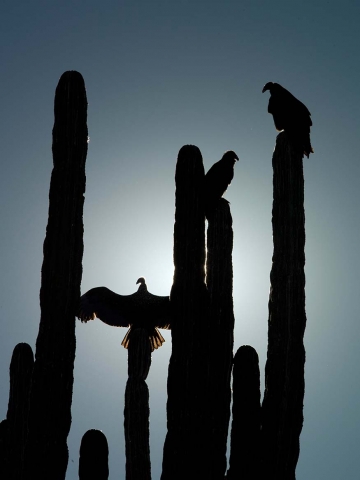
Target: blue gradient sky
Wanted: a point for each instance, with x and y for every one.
(159, 75)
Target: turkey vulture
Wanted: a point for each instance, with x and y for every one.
(141, 309)
(290, 115)
(217, 180)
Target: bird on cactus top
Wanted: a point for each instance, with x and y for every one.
(290, 115)
(217, 180)
(142, 309)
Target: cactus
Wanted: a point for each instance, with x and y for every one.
(245, 451)
(13, 430)
(282, 408)
(4, 466)
(46, 453)
(21, 369)
(202, 332)
(94, 456)
(187, 444)
(136, 411)
(219, 279)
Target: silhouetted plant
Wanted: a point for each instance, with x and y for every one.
(282, 408)
(13, 431)
(4, 466)
(136, 412)
(245, 450)
(188, 440)
(202, 331)
(94, 456)
(219, 279)
(51, 395)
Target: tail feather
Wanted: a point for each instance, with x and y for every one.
(155, 338)
(126, 339)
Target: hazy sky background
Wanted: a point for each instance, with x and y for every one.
(159, 75)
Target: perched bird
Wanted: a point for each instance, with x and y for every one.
(141, 309)
(217, 180)
(290, 115)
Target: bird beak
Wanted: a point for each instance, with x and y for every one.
(266, 87)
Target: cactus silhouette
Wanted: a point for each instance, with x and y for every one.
(94, 456)
(282, 407)
(13, 431)
(46, 453)
(245, 451)
(136, 411)
(199, 396)
(219, 279)
(188, 439)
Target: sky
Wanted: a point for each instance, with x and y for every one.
(160, 75)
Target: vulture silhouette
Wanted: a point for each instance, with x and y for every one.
(290, 115)
(142, 309)
(217, 180)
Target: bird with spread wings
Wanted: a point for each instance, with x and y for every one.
(142, 309)
(290, 115)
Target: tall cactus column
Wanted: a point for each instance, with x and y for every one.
(136, 412)
(187, 445)
(219, 279)
(282, 409)
(50, 403)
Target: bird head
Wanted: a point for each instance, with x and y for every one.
(274, 88)
(268, 86)
(142, 286)
(230, 156)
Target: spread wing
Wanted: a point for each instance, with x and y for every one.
(111, 308)
(142, 309)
